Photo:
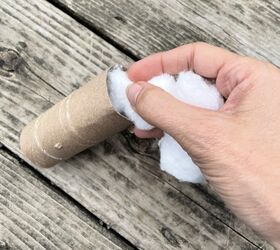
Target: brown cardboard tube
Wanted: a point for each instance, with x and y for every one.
(82, 119)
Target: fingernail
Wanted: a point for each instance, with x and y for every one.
(132, 93)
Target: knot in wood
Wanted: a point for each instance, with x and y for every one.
(10, 59)
(170, 237)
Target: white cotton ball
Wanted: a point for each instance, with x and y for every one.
(193, 89)
(175, 161)
(164, 81)
(189, 88)
(117, 83)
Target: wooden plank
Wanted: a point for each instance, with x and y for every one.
(35, 215)
(49, 55)
(147, 26)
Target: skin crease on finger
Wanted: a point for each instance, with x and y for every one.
(237, 147)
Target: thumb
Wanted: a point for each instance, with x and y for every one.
(186, 123)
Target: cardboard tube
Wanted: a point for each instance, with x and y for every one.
(82, 119)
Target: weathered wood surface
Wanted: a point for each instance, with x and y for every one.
(33, 215)
(147, 26)
(49, 55)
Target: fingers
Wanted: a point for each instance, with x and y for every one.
(164, 111)
(204, 59)
(154, 133)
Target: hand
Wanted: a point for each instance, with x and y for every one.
(236, 147)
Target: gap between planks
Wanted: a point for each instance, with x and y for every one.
(43, 108)
(21, 185)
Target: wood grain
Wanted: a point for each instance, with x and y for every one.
(34, 215)
(147, 26)
(45, 55)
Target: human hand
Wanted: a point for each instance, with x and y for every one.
(236, 147)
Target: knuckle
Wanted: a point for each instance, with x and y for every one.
(198, 44)
(240, 69)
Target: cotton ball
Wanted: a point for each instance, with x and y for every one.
(175, 161)
(164, 81)
(189, 88)
(195, 90)
(117, 83)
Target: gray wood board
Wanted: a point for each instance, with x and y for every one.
(35, 216)
(45, 55)
(148, 26)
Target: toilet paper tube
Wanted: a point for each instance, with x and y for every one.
(84, 118)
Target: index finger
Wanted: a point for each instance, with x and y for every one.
(204, 59)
